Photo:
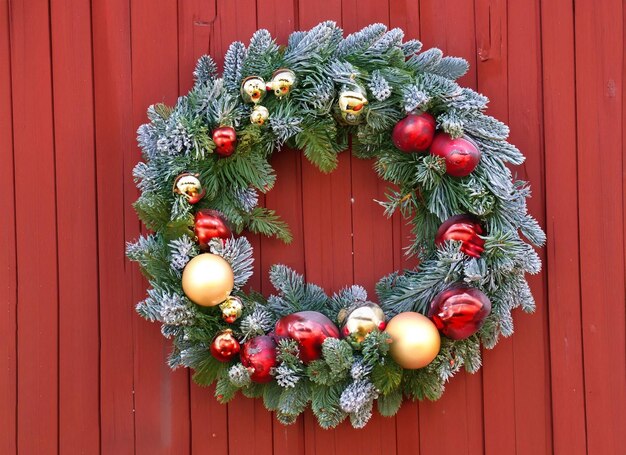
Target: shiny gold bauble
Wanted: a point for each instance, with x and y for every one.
(259, 115)
(282, 82)
(208, 279)
(415, 340)
(189, 186)
(231, 309)
(361, 319)
(253, 89)
(352, 105)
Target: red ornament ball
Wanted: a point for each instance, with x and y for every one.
(225, 139)
(461, 154)
(210, 224)
(466, 229)
(414, 133)
(259, 355)
(225, 346)
(309, 329)
(460, 311)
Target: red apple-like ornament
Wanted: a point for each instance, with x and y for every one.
(309, 329)
(466, 229)
(459, 311)
(225, 346)
(210, 224)
(414, 133)
(461, 154)
(225, 139)
(259, 355)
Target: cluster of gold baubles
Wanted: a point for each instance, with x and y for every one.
(351, 102)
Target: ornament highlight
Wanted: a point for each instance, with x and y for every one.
(189, 185)
(415, 340)
(207, 279)
(461, 154)
(283, 81)
(414, 133)
(259, 115)
(225, 138)
(309, 329)
(361, 319)
(352, 105)
(225, 346)
(210, 224)
(259, 356)
(231, 309)
(253, 89)
(460, 311)
(464, 228)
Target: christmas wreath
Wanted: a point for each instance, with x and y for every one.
(207, 158)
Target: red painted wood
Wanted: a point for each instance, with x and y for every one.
(8, 276)
(87, 375)
(37, 313)
(599, 87)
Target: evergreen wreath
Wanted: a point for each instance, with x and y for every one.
(206, 160)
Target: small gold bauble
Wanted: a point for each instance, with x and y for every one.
(189, 185)
(259, 115)
(415, 340)
(282, 82)
(253, 89)
(352, 106)
(361, 319)
(231, 309)
(208, 279)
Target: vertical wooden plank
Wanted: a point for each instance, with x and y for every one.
(115, 157)
(498, 370)
(79, 426)
(37, 315)
(161, 396)
(8, 274)
(531, 340)
(599, 85)
(563, 269)
(208, 418)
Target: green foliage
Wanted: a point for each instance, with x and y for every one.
(397, 78)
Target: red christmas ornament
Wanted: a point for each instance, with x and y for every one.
(461, 154)
(209, 224)
(460, 311)
(225, 139)
(309, 329)
(466, 229)
(259, 355)
(414, 133)
(225, 346)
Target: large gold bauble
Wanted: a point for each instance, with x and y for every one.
(415, 340)
(208, 279)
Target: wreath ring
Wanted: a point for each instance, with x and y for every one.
(206, 159)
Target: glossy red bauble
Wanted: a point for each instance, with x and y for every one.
(414, 133)
(460, 311)
(225, 139)
(210, 224)
(259, 355)
(466, 229)
(225, 346)
(309, 329)
(461, 154)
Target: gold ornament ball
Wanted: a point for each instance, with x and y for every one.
(259, 115)
(361, 319)
(208, 279)
(415, 340)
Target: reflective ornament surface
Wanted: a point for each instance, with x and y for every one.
(361, 319)
(189, 186)
(282, 82)
(210, 224)
(253, 89)
(259, 356)
(414, 133)
(225, 138)
(207, 279)
(309, 329)
(225, 346)
(259, 115)
(461, 154)
(352, 106)
(415, 340)
(460, 311)
(463, 228)
(231, 309)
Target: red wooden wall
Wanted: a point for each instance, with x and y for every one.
(81, 373)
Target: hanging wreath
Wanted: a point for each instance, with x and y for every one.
(206, 160)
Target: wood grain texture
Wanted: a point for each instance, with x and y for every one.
(83, 374)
